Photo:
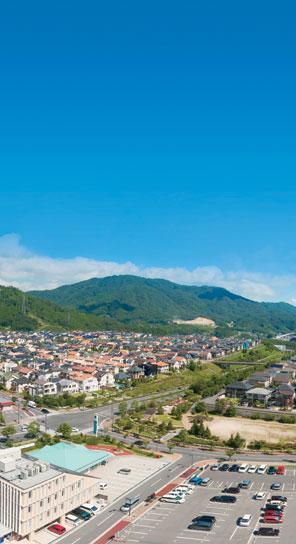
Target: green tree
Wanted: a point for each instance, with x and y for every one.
(9, 430)
(65, 430)
(170, 425)
(122, 408)
(230, 411)
(33, 429)
(80, 400)
(198, 429)
(235, 441)
(200, 406)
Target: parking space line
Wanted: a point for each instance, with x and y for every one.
(231, 537)
(216, 513)
(191, 538)
(138, 532)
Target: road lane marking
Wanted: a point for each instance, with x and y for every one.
(101, 522)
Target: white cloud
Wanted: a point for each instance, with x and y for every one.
(25, 270)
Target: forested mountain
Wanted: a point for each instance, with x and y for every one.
(20, 311)
(139, 302)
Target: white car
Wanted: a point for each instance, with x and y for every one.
(215, 467)
(75, 430)
(245, 520)
(24, 428)
(184, 490)
(252, 469)
(260, 496)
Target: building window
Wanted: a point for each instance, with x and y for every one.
(41, 503)
(30, 494)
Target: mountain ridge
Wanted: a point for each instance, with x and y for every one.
(136, 301)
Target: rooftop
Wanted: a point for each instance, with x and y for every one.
(71, 456)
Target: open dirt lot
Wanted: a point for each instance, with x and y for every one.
(249, 429)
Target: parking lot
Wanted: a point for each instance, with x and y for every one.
(165, 523)
(141, 468)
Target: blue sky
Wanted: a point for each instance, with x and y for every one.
(149, 137)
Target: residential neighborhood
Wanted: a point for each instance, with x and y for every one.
(51, 363)
(274, 386)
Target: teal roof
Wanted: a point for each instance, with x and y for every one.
(71, 456)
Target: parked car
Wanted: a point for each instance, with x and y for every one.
(273, 513)
(276, 486)
(260, 496)
(245, 484)
(245, 520)
(223, 498)
(231, 490)
(57, 529)
(91, 508)
(234, 468)
(281, 498)
(267, 531)
(272, 519)
(215, 467)
(205, 482)
(252, 469)
(202, 523)
(82, 514)
(224, 467)
(271, 471)
(281, 470)
(195, 480)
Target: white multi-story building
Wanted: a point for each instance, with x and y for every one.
(33, 494)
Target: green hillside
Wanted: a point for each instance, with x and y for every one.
(138, 302)
(20, 311)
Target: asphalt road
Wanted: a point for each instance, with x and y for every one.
(83, 419)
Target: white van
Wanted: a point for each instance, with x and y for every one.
(32, 404)
(175, 500)
(176, 493)
(74, 520)
(262, 469)
(243, 468)
(91, 508)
